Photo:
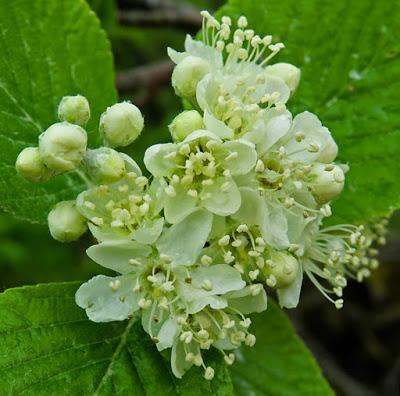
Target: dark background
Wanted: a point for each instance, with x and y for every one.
(357, 347)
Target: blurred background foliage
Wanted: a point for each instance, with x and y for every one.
(358, 347)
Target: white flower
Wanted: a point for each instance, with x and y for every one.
(125, 209)
(198, 172)
(187, 308)
(236, 89)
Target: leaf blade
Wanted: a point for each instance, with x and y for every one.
(279, 364)
(350, 66)
(48, 344)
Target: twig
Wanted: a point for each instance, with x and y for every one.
(183, 17)
(151, 75)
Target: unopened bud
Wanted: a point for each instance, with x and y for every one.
(74, 109)
(288, 73)
(105, 164)
(187, 75)
(184, 124)
(121, 124)
(326, 184)
(30, 166)
(284, 269)
(62, 146)
(209, 373)
(66, 224)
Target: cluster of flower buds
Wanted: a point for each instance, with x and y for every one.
(63, 148)
(234, 204)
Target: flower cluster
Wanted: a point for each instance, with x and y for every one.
(232, 206)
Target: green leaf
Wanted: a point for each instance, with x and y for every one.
(49, 347)
(105, 10)
(49, 48)
(349, 56)
(279, 364)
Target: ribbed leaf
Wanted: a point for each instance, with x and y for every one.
(49, 347)
(348, 52)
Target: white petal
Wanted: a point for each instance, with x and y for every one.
(289, 296)
(206, 52)
(309, 124)
(155, 161)
(223, 277)
(252, 208)
(149, 232)
(105, 233)
(102, 304)
(176, 56)
(216, 126)
(222, 203)
(168, 333)
(198, 304)
(274, 130)
(130, 164)
(178, 207)
(116, 255)
(218, 227)
(242, 162)
(274, 226)
(276, 84)
(203, 136)
(183, 241)
(245, 302)
(203, 95)
(179, 365)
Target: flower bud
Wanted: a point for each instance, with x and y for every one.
(66, 224)
(30, 166)
(327, 182)
(74, 109)
(105, 164)
(62, 146)
(187, 74)
(283, 268)
(185, 123)
(288, 73)
(121, 124)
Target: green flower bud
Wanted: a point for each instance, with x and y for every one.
(187, 74)
(281, 270)
(327, 182)
(121, 124)
(74, 109)
(105, 164)
(185, 123)
(288, 73)
(66, 224)
(62, 146)
(30, 166)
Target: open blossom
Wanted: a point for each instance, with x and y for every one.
(232, 207)
(199, 172)
(122, 210)
(187, 307)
